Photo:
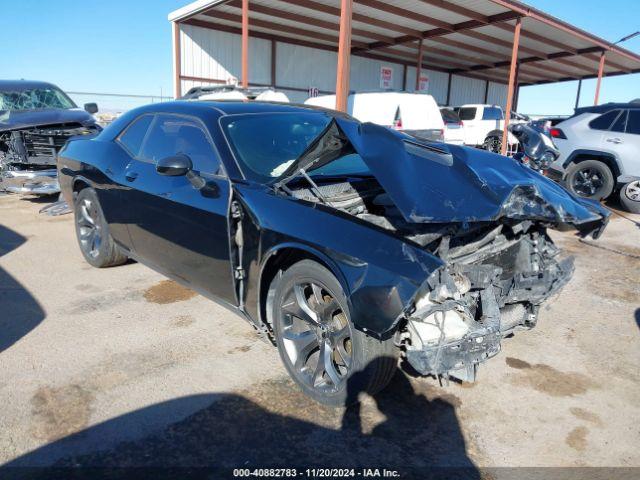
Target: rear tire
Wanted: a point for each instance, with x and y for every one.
(326, 356)
(590, 179)
(630, 196)
(92, 232)
(493, 144)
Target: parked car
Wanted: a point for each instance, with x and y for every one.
(235, 92)
(453, 127)
(347, 244)
(484, 125)
(416, 114)
(600, 153)
(545, 124)
(36, 119)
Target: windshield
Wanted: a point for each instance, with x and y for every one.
(265, 145)
(34, 99)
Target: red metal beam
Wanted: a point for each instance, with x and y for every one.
(419, 64)
(512, 81)
(245, 43)
(344, 55)
(600, 73)
(177, 60)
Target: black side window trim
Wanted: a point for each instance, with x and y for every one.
(607, 129)
(126, 129)
(200, 124)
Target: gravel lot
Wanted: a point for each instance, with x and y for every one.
(122, 367)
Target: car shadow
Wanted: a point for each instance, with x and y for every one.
(20, 311)
(270, 425)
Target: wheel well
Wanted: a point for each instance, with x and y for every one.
(494, 133)
(606, 159)
(279, 262)
(79, 185)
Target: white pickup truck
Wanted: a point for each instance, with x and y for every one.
(484, 124)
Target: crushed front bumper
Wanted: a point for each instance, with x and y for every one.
(30, 182)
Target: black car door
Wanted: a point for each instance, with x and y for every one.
(175, 227)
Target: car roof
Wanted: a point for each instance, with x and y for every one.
(606, 107)
(23, 85)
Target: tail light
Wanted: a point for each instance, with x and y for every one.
(557, 133)
(397, 124)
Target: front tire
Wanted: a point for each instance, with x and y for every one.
(590, 179)
(630, 196)
(326, 356)
(92, 232)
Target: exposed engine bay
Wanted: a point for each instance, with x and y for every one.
(496, 276)
(28, 156)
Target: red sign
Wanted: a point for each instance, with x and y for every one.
(386, 78)
(423, 83)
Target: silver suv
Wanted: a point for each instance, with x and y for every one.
(600, 153)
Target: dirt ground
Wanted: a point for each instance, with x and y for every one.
(121, 367)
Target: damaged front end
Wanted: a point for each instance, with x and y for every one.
(28, 157)
(489, 288)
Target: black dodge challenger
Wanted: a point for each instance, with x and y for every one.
(345, 244)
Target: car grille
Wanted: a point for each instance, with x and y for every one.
(47, 141)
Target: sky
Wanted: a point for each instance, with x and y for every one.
(124, 46)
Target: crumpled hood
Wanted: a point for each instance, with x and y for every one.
(446, 183)
(33, 118)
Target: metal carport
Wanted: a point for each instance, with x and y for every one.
(494, 41)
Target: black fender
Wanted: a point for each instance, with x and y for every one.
(607, 158)
(379, 271)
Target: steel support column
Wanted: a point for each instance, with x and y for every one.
(177, 62)
(419, 64)
(512, 82)
(344, 55)
(449, 90)
(274, 65)
(578, 94)
(600, 74)
(245, 43)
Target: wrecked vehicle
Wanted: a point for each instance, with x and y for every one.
(346, 244)
(36, 119)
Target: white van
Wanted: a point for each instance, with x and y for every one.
(416, 114)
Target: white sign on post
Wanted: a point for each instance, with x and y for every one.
(386, 78)
(423, 83)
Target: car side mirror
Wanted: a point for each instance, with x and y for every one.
(174, 166)
(91, 108)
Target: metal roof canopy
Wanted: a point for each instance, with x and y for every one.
(467, 37)
(463, 37)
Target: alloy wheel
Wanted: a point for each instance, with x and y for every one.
(493, 144)
(587, 182)
(90, 232)
(632, 191)
(316, 336)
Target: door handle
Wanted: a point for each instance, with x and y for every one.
(614, 140)
(131, 176)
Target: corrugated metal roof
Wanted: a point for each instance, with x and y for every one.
(465, 37)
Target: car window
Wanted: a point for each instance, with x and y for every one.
(267, 144)
(133, 135)
(633, 124)
(603, 122)
(620, 125)
(175, 134)
(449, 116)
(492, 113)
(467, 113)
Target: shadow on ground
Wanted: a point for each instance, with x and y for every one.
(274, 424)
(20, 312)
